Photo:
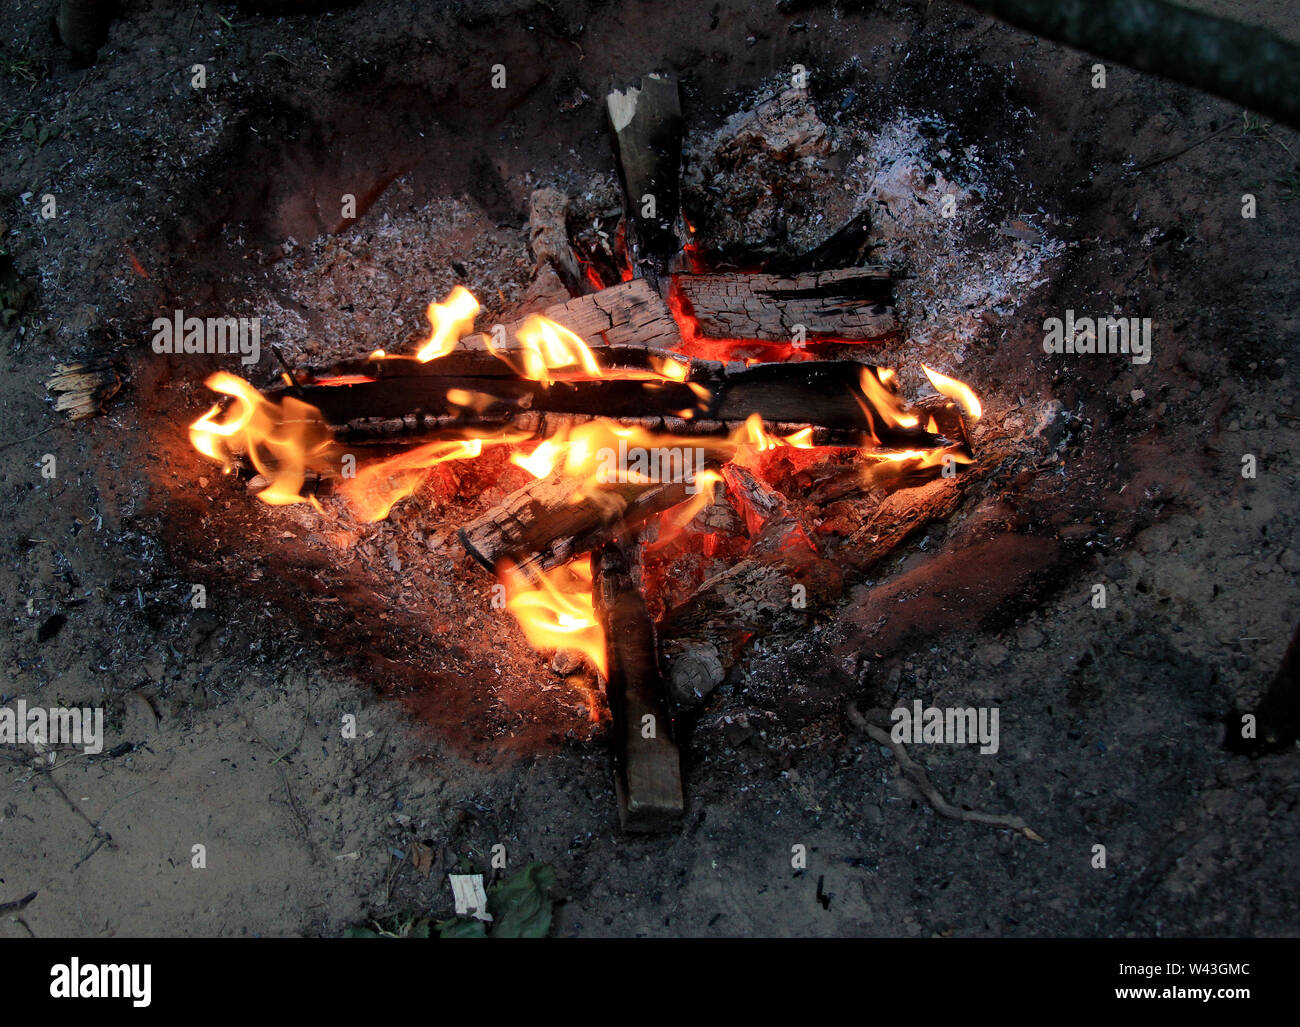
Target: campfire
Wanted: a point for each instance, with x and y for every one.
(686, 436)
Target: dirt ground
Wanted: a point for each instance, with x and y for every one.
(224, 722)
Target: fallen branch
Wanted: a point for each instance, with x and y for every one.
(916, 773)
(1242, 63)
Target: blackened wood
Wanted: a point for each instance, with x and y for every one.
(826, 394)
(848, 305)
(704, 636)
(648, 775)
(848, 247)
(645, 121)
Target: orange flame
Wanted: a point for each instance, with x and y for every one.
(885, 401)
(449, 320)
(546, 346)
(377, 488)
(283, 440)
(957, 391)
(556, 610)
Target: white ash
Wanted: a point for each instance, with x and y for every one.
(960, 269)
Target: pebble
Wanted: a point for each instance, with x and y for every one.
(1029, 637)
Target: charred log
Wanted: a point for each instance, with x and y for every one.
(645, 121)
(848, 305)
(648, 773)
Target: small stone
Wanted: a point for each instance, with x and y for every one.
(1029, 637)
(566, 661)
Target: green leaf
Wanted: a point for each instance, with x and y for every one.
(360, 932)
(461, 927)
(521, 904)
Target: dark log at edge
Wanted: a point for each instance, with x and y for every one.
(648, 775)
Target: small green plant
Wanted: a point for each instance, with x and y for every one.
(520, 905)
(393, 927)
(1290, 183)
(39, 135)
(1253, 124)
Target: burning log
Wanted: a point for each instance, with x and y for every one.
(840, 395)
(645, 122)
(648, 775)
(553, 519)
(847, 305)
(629, 321)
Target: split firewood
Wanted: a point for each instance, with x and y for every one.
(648, 776)
(550, 521)
(83, 389)
(847, 305)
(645, 121)
(548, 238)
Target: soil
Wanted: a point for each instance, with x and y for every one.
(224, 722)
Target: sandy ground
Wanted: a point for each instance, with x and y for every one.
(224, 723)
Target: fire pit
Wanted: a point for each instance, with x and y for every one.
(684, 453)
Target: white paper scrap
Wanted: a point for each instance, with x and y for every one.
(467, 889)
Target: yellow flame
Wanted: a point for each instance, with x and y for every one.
(282, 440)
(957, 391)
(376, 488)
(555, 609)
(884, 400)
(449, 320)
(546, 346)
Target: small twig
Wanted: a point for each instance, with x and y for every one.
(383, 742)
(919, 777)
(297, 812)
(1179, 152)
(287, 369)
(18, 442)
(17, 904)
